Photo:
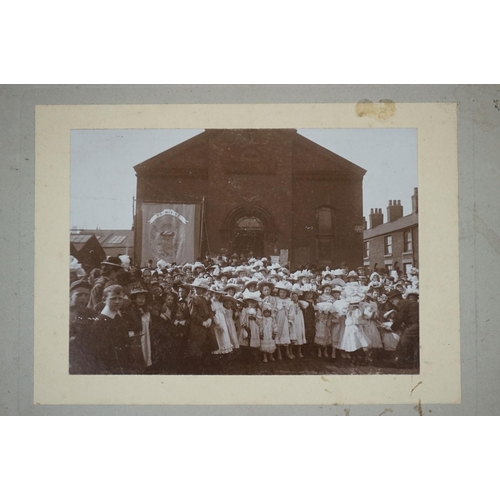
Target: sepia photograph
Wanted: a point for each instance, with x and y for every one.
(259, 251)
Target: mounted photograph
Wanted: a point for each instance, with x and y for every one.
(257, 251)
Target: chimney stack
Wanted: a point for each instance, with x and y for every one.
(394, 210)
(414, 202)
(376, 217)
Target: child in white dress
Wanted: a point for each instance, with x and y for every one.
(354, 337)
(324, 311)
(283, 318)
(251, 317)
(229, 305)
(269, 328)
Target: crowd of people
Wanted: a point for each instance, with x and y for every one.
(188, 319)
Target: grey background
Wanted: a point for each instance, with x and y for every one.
(479, 206)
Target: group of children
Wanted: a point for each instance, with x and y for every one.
(264, 312)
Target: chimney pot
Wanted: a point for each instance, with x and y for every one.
(390, 203)
(371, 211)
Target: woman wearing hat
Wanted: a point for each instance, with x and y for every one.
(308, 295)
(141, 317)
(202, 340)
(219, 323)
(230, 308)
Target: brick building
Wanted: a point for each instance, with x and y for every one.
(394, 244)
(262, 190)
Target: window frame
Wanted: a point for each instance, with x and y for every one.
(388, 247)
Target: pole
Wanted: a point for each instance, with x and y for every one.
(202, 222)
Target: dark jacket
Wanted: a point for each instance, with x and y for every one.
(81, 353)
(113, 346)
(407, 314)
(201, 339)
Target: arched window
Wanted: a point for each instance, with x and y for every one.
(324, 235)
(250, 223)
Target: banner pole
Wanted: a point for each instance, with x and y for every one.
(201, 227)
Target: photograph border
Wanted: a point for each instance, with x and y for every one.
(439, 379)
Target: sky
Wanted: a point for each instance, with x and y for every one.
(103, 181)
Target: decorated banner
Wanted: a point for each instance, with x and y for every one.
(170, 232)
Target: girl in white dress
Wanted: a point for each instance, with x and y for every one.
(354, 337)
(269, 328)
(324, 311)
(251, 317)
(283, 318)
(370, 313)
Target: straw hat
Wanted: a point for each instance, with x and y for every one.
(200, 283)
(248, 295)
(262, 284)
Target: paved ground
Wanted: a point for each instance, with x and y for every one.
(250, 363)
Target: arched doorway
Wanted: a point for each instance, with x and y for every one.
(249, 229)
(248, 236)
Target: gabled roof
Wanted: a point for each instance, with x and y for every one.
(108, 238)
(339, 160)
(172, 152)
(391, 227)
(202, 139)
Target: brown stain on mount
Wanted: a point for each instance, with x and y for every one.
(382, 110)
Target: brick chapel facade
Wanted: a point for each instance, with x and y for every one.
(262, 190)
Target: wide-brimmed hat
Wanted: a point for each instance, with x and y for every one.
(338, 272)
(309, 288)
(283, 285)
(181, 286)
(231, 285)
(233, 301)
(337, 289)
(139, 289)
(323, 284)
(411, 291)
(197, 265)
(355, 299)
(80, 284)
(262, 284)
(248, 295)
(200, 283)
(112, 261)
(393, 294)
(251, 281)
(296, 289)
(352, 274)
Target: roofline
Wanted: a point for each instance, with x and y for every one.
(390, 229)
(330, 153)
(174, 150)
